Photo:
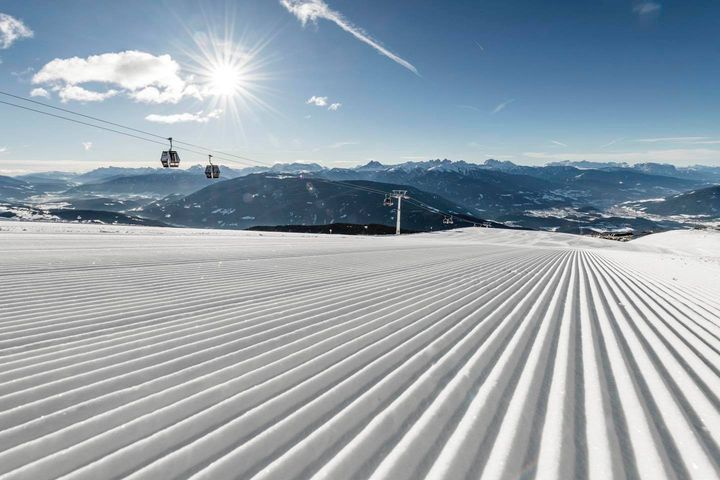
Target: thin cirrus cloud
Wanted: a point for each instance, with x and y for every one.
(502, 106)
(468, 107)
(647, 8)
(199, 117)
(312, 10)
(335, 146)
(143, 77)
(342, 144)
(612, 142)
(12, 30)
(672, 139)
(559, 144)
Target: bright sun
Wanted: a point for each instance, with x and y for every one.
(226, 80)
(229, 74)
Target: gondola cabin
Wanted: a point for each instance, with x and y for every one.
(170, 158)
(212, 171)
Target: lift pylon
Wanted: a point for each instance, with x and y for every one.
(400, 195)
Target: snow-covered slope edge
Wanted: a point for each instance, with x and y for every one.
(153, 353)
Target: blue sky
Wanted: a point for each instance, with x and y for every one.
(341, 82)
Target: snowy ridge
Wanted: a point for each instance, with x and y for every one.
(174, 355)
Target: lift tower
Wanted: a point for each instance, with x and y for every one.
(399, 194)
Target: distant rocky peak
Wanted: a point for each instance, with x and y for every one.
(503, 165)
(372, 165)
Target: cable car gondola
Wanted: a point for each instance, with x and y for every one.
(170, 158)
(388, 201)
(448, 220)
(212, 171)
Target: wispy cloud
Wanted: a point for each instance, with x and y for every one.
(469, 107)
(12, 30)
(559, 144)
(25, 75)
(312, 10)
(647, 8)
(612, 142)
(3, 149)
(317, 101)
(341, 144)
(671, 139)
(682, 140)
(335, 146)
(334, 107)
(502, 106)
(199, 117)
(87, 145)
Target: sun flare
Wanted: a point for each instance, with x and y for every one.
(230, 74)
(225, 80)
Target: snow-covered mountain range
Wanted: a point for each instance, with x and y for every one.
(566, 196)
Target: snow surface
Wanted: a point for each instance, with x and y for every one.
(143, 352)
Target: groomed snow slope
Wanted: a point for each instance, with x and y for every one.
(153, 353)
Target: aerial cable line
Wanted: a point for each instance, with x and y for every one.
(222, 155)
(132, 129)
(409, 199)
(437, 211)
(150, 134)
(112, 130)
(349, 185)
(369, 189)
(339, 183)
(107, 129)
(82, 115)
(448, 217)
(81, 122)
